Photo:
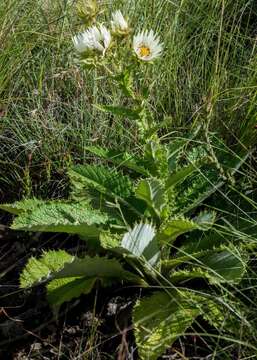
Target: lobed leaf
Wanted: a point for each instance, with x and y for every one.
(70, 276)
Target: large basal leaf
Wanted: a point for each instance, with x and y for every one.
(73, 218)
(66, 289)
(217, 266)
(96, 267)
(141, 242)
(160, 319)
(179, 226)
(153, 193)
(163, 317)
(70, 276)
(19, 207)
(40, 269)
(107, 181)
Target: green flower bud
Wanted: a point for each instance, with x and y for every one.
(87, 10)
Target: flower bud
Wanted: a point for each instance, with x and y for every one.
(87, 10)
(119, 24)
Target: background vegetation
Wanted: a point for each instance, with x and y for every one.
(47, 118)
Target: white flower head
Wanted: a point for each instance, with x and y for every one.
(93, 39)
(147, 45)
(119, 23)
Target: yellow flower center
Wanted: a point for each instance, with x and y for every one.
(144, 51)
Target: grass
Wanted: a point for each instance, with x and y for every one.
(207, 76)
(208, 72)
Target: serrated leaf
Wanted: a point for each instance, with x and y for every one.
(39, 269)
(70, 276)
(72, 218)
(205, 220)
(109, 240)
(180, 175)
(174, 150)
(96, 267)
(199, 187)
(119, 158)
(19, 207)
(141, 242)
(153, 193)
(224, 266)
(160, 319)
(125, 81)
(163, 317)
(183, 258)
(66, 289)
(107, 181)
(183, 276)
(179, 226)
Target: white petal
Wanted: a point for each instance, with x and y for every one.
(149, 40)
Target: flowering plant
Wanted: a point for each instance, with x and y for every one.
(118, 51)
(140, 218)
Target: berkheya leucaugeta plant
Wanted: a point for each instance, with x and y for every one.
(132, 213)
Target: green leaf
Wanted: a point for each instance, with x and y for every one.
(198, 187)
(125, 81)
(179, 226)
(205, 220)
(72, 218)
(141, 242)
(217, 266)
(109, 240)
(119, 158)
(224, 266)
(133, 114)
(70, 276)
(104, 180)
(96, 267)
(160, 319)
(183, 258)
(66, 289)
(153, 193)
(180, 175)
(37, 270)
(183, 276)
(174, 150)
(163, 317)
(22, 206)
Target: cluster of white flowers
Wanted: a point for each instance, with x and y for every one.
(93, 38)
(146, 44)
